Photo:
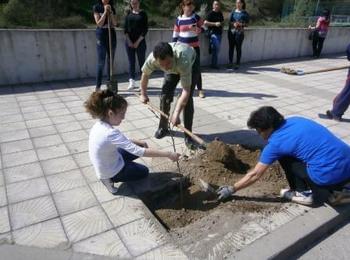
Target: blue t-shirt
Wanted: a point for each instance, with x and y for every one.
(238, 16)
(326, 156)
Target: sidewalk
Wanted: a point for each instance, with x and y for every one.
(49, 195)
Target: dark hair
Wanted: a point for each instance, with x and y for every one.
(111, 3)
(100, 102)
(326, 13)
(264, 118)
(243, 4)
(162, 50)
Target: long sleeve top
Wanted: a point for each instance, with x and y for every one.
(136, 25)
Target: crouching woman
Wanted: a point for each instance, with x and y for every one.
(112, 154)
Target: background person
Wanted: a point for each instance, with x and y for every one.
(102, 10)
(214, 22)
(179, 63)
(316, 163)
(112, 154)
(135, 30)
(187, 28)
(320, 32)
(342, 100)
(238, 19)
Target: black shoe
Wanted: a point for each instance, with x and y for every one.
(330, 115)
(190, 144)
(236, 67)
(161, 132)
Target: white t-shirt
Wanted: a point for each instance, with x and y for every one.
(104, 141)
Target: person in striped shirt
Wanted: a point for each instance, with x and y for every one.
(187, 27)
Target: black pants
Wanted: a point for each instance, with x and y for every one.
(317, 44)
(198, 60)
(299, 180)
(235, 40)
(168, 89)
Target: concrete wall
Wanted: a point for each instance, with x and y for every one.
(45, 55)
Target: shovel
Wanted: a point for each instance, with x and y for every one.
(206, 187)
(112, 84)
(290, 71)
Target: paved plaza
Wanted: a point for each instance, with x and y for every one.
(49, 194)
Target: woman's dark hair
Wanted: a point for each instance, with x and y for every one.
(326, 13)
(111, 3)
(162, 50)
(100, 102)
(264, 118)
(243, 4)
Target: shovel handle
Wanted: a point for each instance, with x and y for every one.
(185, 130)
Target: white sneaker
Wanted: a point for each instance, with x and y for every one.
(303, 198)
(132, 84)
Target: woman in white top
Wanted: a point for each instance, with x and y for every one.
(111, 152)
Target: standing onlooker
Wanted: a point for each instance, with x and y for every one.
(214, 22)
(186, 30)
(320, 32)
(342, 100)
(102, 10)
(239, 19)
(135, 29)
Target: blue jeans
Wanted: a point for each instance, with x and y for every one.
(215, 41)
(102, 46)
(131, 171)
(141, 55)
(342, 100)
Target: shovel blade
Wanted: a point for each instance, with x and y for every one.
(206, 187)
(112, 85)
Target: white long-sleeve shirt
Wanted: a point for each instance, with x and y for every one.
(104, 141)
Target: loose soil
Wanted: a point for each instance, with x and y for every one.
(198, 216)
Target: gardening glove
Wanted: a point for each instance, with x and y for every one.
(224, 192)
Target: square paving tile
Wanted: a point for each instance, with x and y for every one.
(68, 127)
(74, 136)
(66, 181)
(32, 211)
(141, 236)
(38, 122)
(58, 165)
(23, 172)
(13, 136)
(16, 146)
(48, 234)
(164, 252)
(63, 119)
(3, 198)
(104, 195)
(11, 127)
(85, 223)
(89, 174)
(48, 140)
(78, 147)
(25, 190)
(108, 244)
(82, 159)
(74, 200)
(52, 152)
(19, 158)
(1, 178)
(125, 210)
(4, 220)
(42, 131)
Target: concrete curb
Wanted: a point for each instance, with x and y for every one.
(295, 236)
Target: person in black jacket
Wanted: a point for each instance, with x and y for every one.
(102, 10)
(214, 22)
(135, 29)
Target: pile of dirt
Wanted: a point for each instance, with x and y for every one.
(220, 164)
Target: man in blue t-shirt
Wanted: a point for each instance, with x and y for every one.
(316, 163)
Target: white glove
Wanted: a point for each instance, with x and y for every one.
(224, 192)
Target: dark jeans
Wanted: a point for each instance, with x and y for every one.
(299, 180)
(342, 100)
(214, 41)
(167, 95)
(131, 171)
(102, 45)
(198, 61)
(140, 51)
(317, 44)
(235, 41)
